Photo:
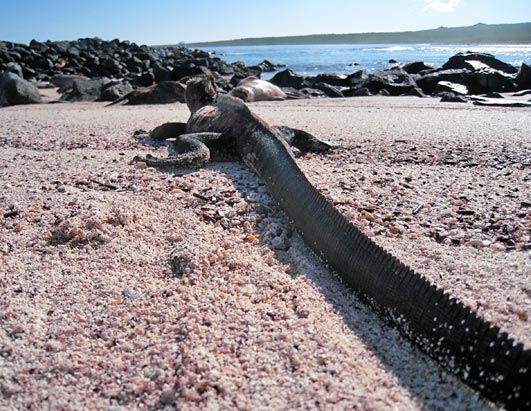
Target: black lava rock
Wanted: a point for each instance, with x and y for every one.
(15, 90)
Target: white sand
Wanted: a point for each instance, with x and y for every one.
(130, 288)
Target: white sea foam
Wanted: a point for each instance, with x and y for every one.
(391, 49)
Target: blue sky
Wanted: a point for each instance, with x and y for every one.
(167, 22)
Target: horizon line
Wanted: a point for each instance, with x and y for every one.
(196, 43)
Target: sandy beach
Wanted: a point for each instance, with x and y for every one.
(128, 288)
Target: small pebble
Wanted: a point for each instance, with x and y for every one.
(367, 215)
(53, 345)
(443, 234)
(127, 293)
(476, 242)
(395, 229)
(249, 238)
(447, 212)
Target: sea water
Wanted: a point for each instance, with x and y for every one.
(348, 58)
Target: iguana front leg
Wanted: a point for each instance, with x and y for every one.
(168, 130)
(301, 139)
(186, 150)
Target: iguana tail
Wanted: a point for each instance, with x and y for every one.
(440, 325)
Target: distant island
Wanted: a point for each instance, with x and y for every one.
(519, 33)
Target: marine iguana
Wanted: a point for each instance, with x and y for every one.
(438, 324)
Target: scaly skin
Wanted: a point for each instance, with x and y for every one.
(441, 326)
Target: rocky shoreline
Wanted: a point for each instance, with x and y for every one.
(92, 69)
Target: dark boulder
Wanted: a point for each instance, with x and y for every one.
(255, 71)
(6, 57)
(480, 72)
(200, 53)
(241, 72)
(23, 52)
(358, 78)
(308, 92)
(146, 65)
(357, 92)
(162, 73)
(15, 90)
(267, 66)
(180, 72)
(287, 78)
(328, 89)
(428, 82)
(523, 78)
(220, 66)
(43, 63)
(85, 90)
(144, 80)
(73, 52)
(473, 61)
(396, 81)
(91, 62)
(133, 62)
(115, 90)
(59, 46)
(331, 79)
(134, 71)
(362, 91)
(33, 74)
(110, 66)
(223, 84)
(39, 47)
(416, 67)
(198, 62)
(14, 55)
(146, 56)
(487, 80)
(16, 68)
(65, 81)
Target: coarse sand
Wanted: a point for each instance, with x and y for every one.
(128, 288)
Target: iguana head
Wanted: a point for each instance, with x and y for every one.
(200, 91)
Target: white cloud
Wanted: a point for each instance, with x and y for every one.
(441, 6)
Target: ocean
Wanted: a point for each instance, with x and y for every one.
(347, 58)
